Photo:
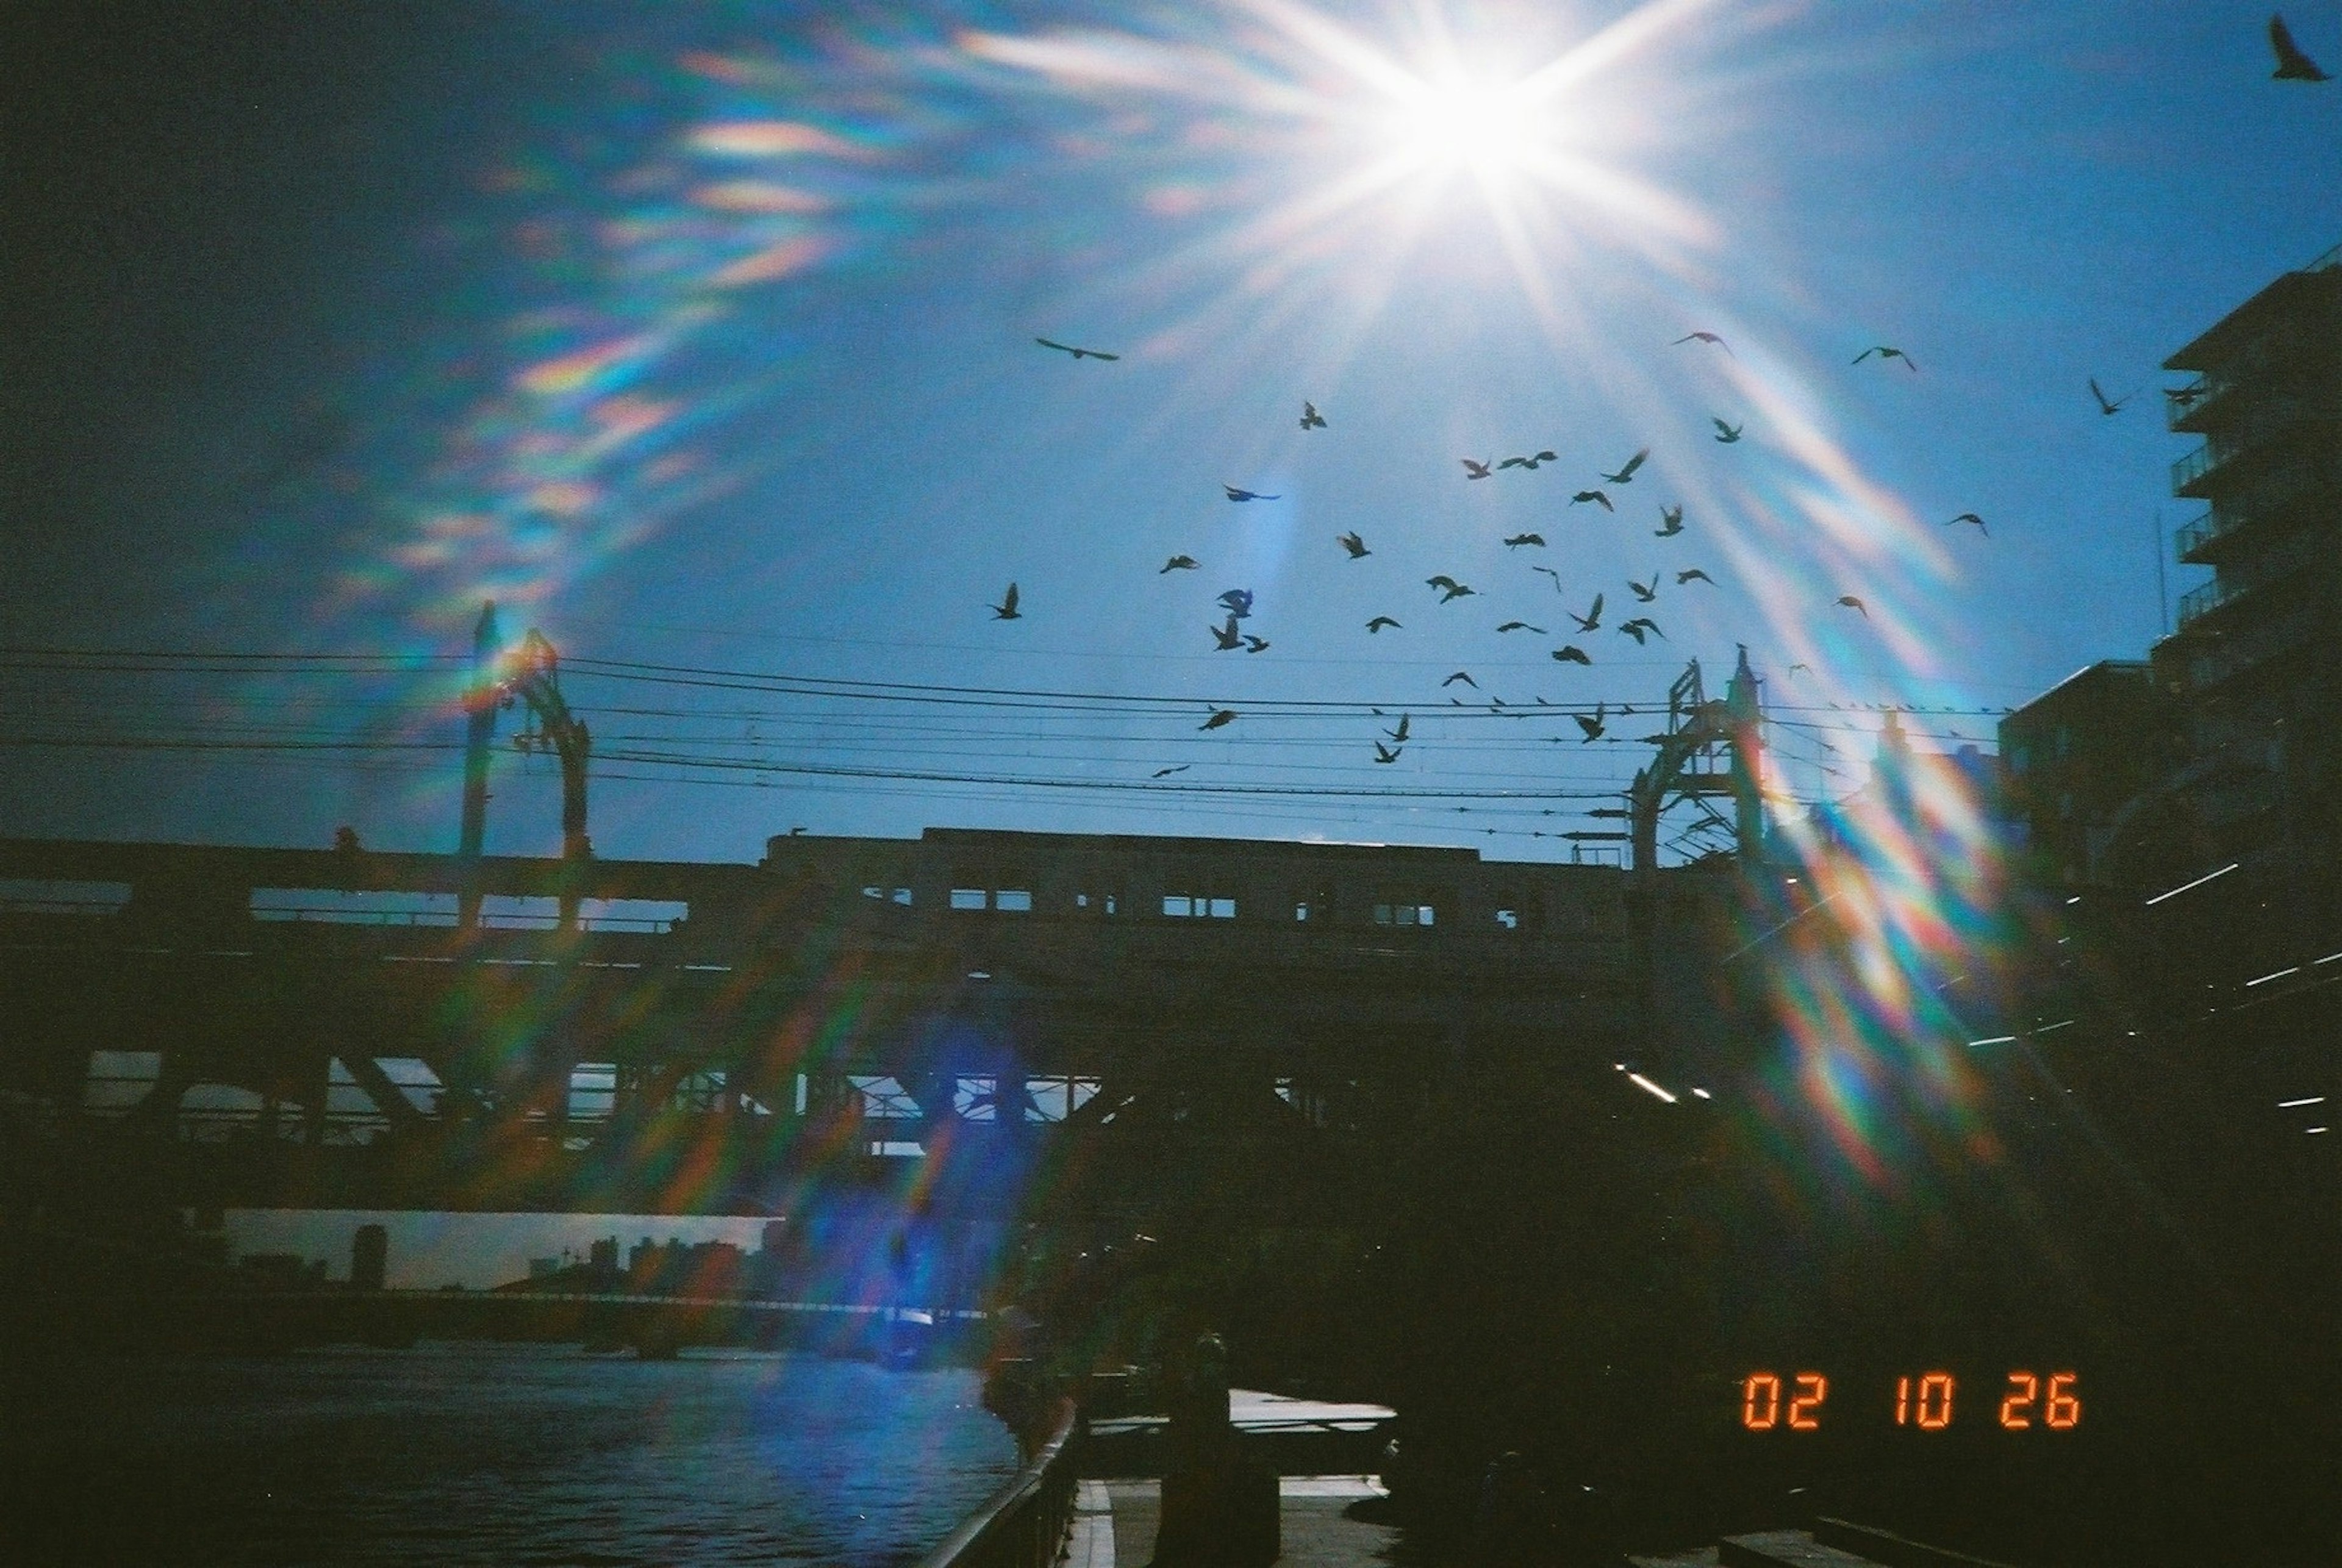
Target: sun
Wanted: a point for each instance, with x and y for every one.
(1491, 129)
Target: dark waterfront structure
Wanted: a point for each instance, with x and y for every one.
(965, 999)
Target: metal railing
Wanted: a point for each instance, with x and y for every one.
(2194, 466)
(2197, 601)
(1024, 1524)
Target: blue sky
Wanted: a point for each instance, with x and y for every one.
(701, 337)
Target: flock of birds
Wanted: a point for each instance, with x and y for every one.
(1230, 635)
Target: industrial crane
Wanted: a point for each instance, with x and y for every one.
(531, 674)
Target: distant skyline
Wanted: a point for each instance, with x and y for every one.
(476, 1251)
(703, 336)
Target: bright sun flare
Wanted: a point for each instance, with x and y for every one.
(1489, 129)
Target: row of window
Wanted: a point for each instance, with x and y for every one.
(1398, 910)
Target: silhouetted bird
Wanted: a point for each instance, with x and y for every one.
(1886, 353)
(1219, 716)
(1591, 725)
(1399, 734)
(1310, 418)
(1670, 522)
(1384, 753)
(2292, 64)
(1456, 591)
(1353, 543)
(2109, 405)
(1077, 353)
(1727, 433)
(1227, 639)
(1517, 540)
(1236, 494)
(1521, 626)
(1463, 677)
(1551, 574)
(1969, 517)
(1167, 772)
(2184, 397)
(1379, 622)
(1530, 462)
(1178, 564)
(1238, 601)
(1474, 470)
(1640, 626)
(1705, 337)
(1795, 668)
(1255, 644)
(1571, 653)
(1644, 592)
(1851, 603)
(1592, 618)
(1006, 609)
(1596, 497)
(1626, 475)
(1692, 575)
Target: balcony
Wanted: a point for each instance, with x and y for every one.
(2187, 474)
(2197, 601)
(2190, 407)
(2193, 536)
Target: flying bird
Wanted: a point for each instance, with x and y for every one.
(1167, 772)
(2292, 64)
(1238, 601)
(1517, 540)
(1178, 564)
(1886, 353)
(1474, 470)
(1705, 337)
(1227, 639)
(1399, 734)
(1077, 353)
(1670, 522)
(2109, 405)
(1596, 497)
(1851, 603)
(1591, 725)
(1463, 675)
(1626, 475)
(1384, 753)
(1219, 716)
(1795, 668)
(2184, 397)
(1551, 574)
(1353, 543)
(1442, 581)
(1530, 462)
(1969, 517)
(1644, 592)
(1592, 619)
(1571, 653)
(1379, 622)
(1692, 575)
(1255, 644)
(1521, 626)
(1727, 433)
(1310, 418)
(1006, 609)
(1236, 494)
(1639, 627)
(1456, 591)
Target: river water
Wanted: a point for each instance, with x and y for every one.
(464, 1454)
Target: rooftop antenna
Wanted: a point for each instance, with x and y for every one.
(2162, 594)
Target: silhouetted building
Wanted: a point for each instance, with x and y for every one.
(369, 1258)
(2254, 663)
(2081, 760)
(602, 1258)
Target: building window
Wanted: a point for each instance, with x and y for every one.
(901, 895)
(1510, 919)
(1316, 908)
(970, 898)
(1198, 906)
(1404, 911)
(1015, 900)
(1098, 903)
